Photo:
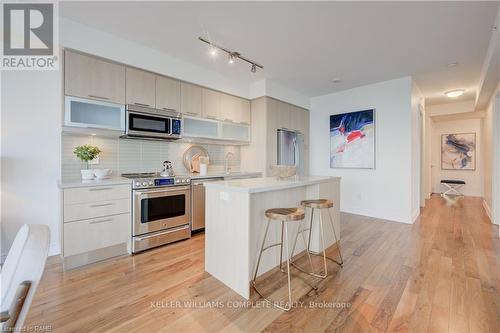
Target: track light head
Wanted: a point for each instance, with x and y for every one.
(254, 68)
(231, 58)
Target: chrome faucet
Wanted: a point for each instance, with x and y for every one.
(229, 155)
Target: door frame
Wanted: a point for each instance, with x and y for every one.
(496, 161)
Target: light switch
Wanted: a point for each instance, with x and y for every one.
(224, 196)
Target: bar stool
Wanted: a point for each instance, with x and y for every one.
(284, 215)
(317, 204)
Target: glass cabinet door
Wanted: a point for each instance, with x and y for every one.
(237, 132)
(81, 112)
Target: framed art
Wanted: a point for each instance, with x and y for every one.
(352, 140)
(458, 151)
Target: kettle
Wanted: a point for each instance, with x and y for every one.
(168, 170)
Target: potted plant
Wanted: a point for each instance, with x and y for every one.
(87, 153)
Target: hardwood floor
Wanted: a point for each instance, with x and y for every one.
(441, 274)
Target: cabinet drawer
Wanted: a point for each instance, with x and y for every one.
(95, 209)
(96, 193)
(93, 234)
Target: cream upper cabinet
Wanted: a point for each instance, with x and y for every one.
(168, 93)
(90, 77)
(229, 108)
(141, 87)
(243, 111)
(191, 97)
(297, 118)
(282, 113)
(235, 109)
(212, 104)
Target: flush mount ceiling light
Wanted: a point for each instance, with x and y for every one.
(452, 64)
(335, 80)
(232, 55)
(455, 93)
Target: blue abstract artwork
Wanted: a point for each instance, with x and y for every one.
(458, 151)
(352, 140)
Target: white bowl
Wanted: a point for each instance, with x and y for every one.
(102, 173)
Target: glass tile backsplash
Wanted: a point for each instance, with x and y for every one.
(125, 156)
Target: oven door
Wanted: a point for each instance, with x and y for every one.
(148, 125)
(160, 208)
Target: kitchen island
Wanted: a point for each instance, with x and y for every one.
(235, 223)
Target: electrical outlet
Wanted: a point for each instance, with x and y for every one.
(224, 196)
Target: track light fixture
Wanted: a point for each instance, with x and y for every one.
(232, 55)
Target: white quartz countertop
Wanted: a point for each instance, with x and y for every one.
(121, 180)
(95, 182)
(236, 174)
(255, 185)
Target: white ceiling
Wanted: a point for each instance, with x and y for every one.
(303, 45)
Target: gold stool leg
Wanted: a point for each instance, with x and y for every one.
(321, 232)
(288, 273)
(337, 240)
(301, 232)
(262, 249)
(308, 251)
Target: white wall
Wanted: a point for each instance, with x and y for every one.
(270, 88)
(450, 108)
(386, 191)
(474, 179)
(491, 148)
(30, 152)
(417, 110)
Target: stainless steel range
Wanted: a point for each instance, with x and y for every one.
(160, 209)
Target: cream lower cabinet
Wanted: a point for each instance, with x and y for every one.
(96, 223)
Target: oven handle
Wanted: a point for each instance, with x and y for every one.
(173, 189)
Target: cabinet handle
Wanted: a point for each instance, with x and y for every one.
(101, 221)
(229, 120)
(141, 104)
(100, 97)
(102, 205)
(192, 113)
(100, 189)
(244, 123)
(211, 117)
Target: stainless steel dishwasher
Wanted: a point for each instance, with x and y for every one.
(198, 202)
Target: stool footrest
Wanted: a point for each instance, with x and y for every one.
(270, 246)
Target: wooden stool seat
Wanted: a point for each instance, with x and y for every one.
(319, 203)
(285, 214)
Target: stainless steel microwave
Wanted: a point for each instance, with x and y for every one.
(143, 122)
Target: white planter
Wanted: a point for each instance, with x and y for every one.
(87, 174)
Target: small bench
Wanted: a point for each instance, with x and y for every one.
(453, 186)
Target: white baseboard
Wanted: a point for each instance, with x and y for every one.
(415, 216)
(376, 216)
(488, 211)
